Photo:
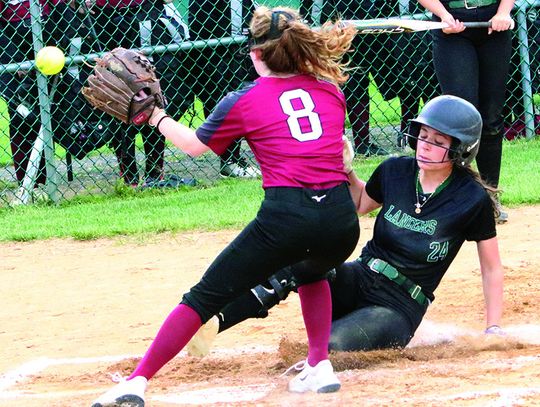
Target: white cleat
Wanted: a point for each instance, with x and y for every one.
(243, 170)
(127, 393)
(319, 379)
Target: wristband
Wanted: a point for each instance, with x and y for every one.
(155, 116)
(160, 120)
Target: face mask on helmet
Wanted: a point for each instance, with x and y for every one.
(454, 117)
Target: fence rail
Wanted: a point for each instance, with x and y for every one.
(48, 136)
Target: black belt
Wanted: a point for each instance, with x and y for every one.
(414, 290)
(470, 4)
(316, 197)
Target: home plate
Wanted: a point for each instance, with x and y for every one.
(213, 395)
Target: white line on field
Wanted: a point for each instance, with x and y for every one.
(33, 367)
(229, 394)
(508, 396)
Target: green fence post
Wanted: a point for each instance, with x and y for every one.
(44, 141)
(525, 66)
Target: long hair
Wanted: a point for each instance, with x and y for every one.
(492, 192)
(289, 45)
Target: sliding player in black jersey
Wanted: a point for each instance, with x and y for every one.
(430, 204)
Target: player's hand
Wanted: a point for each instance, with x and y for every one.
(494, 330)
(501, 22)
(454, 26)
(156, 116)
(83, 6)
(348, 155)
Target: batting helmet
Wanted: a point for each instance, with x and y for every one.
(454, 117)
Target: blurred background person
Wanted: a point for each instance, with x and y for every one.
(474, 64)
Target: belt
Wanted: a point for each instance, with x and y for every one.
(470, 4)
(330, 196)
(414, 290)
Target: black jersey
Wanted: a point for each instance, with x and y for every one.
(422, 246)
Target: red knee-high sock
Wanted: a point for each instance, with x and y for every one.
(316, 303)
(181, 324)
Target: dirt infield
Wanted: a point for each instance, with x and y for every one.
(73, 312)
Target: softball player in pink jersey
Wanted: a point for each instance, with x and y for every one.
(293, 119)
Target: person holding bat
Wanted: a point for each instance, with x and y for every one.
(371, 56)
(429, 206)
(474, 64)
(207, 67)
(293, 119)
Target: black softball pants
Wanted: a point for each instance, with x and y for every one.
(369, 311)
(474, 66)
(312, 230)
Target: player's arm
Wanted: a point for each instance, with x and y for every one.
(437, 8)
(502, 20)
(357, 187)
(181, 136)
(364, 204)
(492, 280)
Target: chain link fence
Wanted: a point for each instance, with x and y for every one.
(50, 136)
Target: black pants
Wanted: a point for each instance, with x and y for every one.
(474, 66)
(369, 311)
(291, 228)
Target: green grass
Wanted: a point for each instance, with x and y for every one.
(5, 150)
(520, 173)
(227, 204)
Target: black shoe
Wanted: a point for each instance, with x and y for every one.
(502, 215)
(239, 169)
(401, 142)
(169, 181)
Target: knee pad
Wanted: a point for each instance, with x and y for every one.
(276, 289)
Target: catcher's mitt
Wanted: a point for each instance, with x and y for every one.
(124, 85)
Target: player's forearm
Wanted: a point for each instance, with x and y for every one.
(505, 7)
(364, 203)
(492, 282)
(435, 7)
(356, 186)
(181, 136)
(492, 279)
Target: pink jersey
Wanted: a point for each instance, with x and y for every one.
(294, 126)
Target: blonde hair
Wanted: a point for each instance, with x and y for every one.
(289, 45)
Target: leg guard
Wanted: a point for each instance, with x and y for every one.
(276, 289)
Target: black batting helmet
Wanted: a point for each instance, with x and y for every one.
(454, 117)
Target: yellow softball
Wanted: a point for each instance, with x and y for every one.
(50, 60)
